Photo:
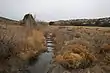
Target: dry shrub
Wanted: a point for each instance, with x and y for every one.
(107, 59)
(27, 42)
(17, 45)
(77, 35)
(7, 44)
(32, 45)
(105, 48)
(6, 47)
(77, 48)
(76, 56)
(59, 58)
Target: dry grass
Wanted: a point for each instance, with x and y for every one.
(76, 56)
(82, 42)
(105, 48)
(18, 44)
(32, 45)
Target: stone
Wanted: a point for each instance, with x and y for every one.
(28, 20)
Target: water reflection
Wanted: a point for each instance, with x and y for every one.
(49, 41)
(42, 64)
(44, 60)
(50, 45)
(50, 49)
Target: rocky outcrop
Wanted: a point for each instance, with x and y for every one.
(28, 20)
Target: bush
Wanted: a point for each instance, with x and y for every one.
(77, 56)
(6, 46)
(105, 48)
(18, 45)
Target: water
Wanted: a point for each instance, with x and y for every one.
(50, 49)
(49, 41)
(44, 60)
(42, 64)
(50, 45)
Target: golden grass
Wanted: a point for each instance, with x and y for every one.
(105, 48)
(76, 56)
(18, 44)
(33, 44)
(27, 41)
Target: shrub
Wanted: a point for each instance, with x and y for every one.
(77, 56)
(7, 45)
(105, 48)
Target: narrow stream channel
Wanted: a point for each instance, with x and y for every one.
(44, 60)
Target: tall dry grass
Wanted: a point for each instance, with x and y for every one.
(18, 44)
(75, 56)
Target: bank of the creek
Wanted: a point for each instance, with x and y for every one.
(43, 63)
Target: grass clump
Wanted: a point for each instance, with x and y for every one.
(76, 57)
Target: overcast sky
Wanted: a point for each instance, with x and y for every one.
(55, 9)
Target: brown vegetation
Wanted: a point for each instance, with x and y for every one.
(105, 48)
(102, 22)
(18, 44)
(79, 43)
(76, 56)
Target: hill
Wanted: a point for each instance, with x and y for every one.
(103, 22)
(8, 21)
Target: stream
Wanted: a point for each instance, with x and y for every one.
(43, 63)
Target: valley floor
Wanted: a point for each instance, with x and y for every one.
(85, 44)
(78, 49)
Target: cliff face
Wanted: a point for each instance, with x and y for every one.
(28, 20)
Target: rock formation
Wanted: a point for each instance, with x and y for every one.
(28, 20)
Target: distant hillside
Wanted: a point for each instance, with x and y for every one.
(27, 20)
(103, 22)
(2, 18)
(8, 21)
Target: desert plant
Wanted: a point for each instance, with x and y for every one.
(77, 56)
(7, 45)
(105, 48)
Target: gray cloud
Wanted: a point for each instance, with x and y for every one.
(55, 9)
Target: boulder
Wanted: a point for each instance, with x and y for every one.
(28, 20)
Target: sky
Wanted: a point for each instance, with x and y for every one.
(47, 10)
